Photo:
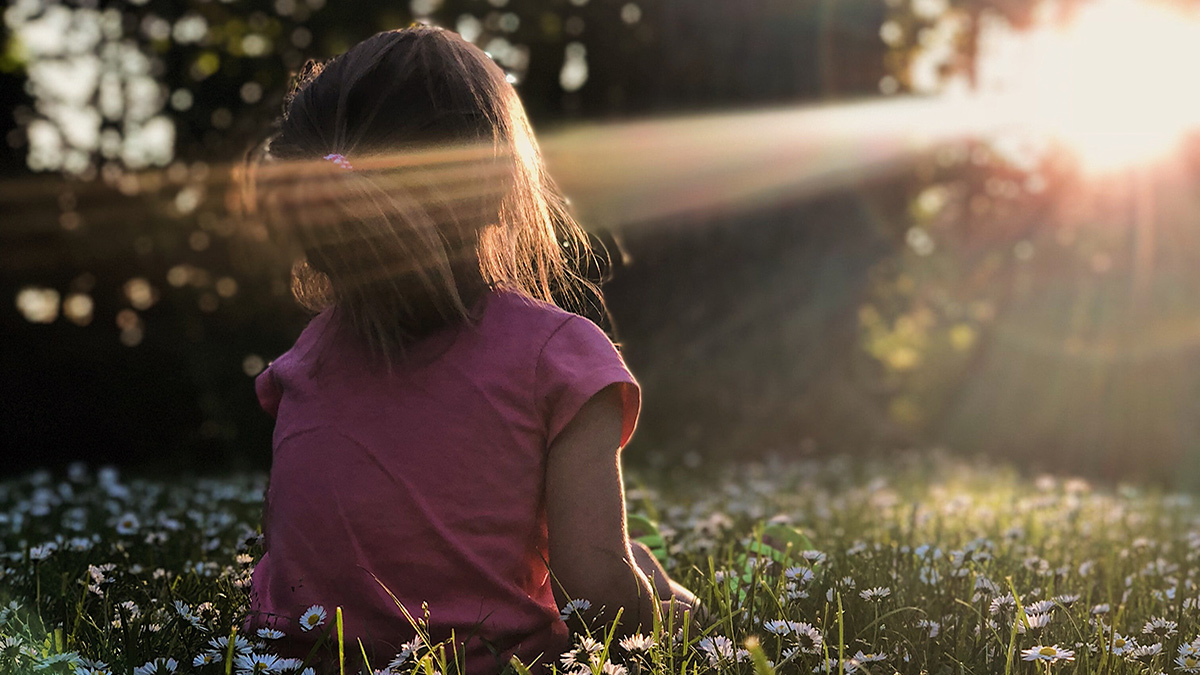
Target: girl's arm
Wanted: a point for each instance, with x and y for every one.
(590, 554)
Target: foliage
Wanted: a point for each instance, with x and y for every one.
(1028, 287)
(133, 260)
(925, 565)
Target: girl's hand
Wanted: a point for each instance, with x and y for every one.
(694, 613)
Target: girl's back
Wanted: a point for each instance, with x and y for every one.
(428, 480)
(441, 436)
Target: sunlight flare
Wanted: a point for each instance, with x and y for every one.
(1110, 82)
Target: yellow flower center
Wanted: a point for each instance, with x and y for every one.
(1048, 651)
(1119, 643)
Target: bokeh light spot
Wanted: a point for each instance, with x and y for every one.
(140, 293)
(574, 73)
(38, 304)
(226, 287)
(253, 364)
(78, 308)
(199, 240)
(207, 302)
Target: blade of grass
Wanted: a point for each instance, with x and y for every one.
(841, 637)
(759, 658)
(341, 643)
(229, 650)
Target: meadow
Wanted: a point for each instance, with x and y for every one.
(921, 563)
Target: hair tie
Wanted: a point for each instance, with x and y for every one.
(339, 159)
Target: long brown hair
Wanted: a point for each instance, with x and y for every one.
(434, 190)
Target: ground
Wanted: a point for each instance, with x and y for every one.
(921, 564)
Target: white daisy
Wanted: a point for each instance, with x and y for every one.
(814, 557)
(574, 606)
(159, 666)
(269, 633)
(96, 666)
(1050, 654)
(312, 617)
(402, 657)
(718, 648)
(584, 655)
(1122, 644)
(610, 668)
(982, 583)
(808, 637)
(1188, 664)
(1003, 603)
(55, 659)
(929, 575)
(801, 575)
(221, 644)
(932, 626)
(205, 658)
(99, 573)
(793, 594)
(1160, 627)
(128, 524)
(778, 627)
(877, 593)
(831, 666)
(872, 657)
(637, 643)
(1146, 651)
(42, 551)
(257, 663)
(1039, 607)
(1035, 621)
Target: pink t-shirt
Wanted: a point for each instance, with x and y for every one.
(431, 479)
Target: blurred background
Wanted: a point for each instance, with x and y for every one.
(836, 225)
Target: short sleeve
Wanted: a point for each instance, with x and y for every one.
(577, 361)
(268, 391)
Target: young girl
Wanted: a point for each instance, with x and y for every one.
(446, 437)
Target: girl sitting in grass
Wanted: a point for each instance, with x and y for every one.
(446, 436)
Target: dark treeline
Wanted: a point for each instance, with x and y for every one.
(179, 399)
(745, 328)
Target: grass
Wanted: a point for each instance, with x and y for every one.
(923, 564)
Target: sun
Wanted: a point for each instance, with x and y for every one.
(1115, 80)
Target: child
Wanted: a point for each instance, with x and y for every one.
(443, 430)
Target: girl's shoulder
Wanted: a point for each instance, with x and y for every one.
(510, 322)
(317, 330)
(533, 316)
(303, 349)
